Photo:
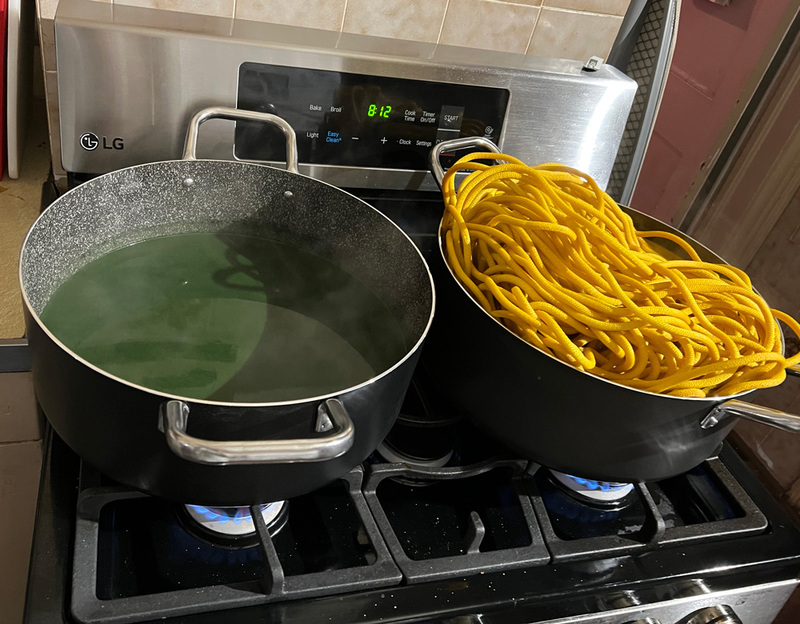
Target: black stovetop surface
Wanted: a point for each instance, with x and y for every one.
(545, 574)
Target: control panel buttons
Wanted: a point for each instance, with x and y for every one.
(357, 120)
(451, 117)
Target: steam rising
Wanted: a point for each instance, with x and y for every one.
(225, 317)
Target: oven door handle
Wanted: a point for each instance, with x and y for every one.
(332, 417)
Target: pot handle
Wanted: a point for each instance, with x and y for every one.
(331, 416)
(238, 114)
(434, 158)
(756, 413)
(750, 411)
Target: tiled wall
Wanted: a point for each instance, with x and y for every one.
(575, 29)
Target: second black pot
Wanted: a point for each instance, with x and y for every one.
(551, 412)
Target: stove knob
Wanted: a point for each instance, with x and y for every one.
(715, 615)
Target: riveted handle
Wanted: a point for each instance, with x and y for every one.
(331, 416)
(434, 158)
(237, 114)
(751, 411)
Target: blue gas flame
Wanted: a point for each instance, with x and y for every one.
(603, 486)
(223, 515)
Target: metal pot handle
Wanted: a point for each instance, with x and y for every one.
(434, 158)
(751, 411)
(237, 114)
(331, 416)
(756, 413)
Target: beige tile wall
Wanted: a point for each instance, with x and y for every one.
(574, 29)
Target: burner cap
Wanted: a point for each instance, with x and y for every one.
(591, 490)
(234, 521)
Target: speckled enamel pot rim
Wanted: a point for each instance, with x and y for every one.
(205, 163)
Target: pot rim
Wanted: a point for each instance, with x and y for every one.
(190, 163)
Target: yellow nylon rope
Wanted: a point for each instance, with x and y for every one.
(550, 255)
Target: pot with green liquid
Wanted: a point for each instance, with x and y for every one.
(221, 333)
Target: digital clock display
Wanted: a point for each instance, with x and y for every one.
(359, 120)
(379, 110)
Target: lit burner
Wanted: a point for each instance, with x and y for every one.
(597, 491)
(234, 521)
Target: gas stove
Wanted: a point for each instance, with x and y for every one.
(441, 524)
(486, 537)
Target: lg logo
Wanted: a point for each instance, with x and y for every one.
(90, 142)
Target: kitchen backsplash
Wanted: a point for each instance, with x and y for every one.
(574, 29)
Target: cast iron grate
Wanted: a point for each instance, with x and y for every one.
(455, 521)
(128, 570)
(705, 504)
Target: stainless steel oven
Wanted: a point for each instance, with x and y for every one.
(441, 524)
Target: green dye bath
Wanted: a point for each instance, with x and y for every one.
(226, 318)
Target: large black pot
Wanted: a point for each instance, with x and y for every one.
(557, 415)
(202, 451)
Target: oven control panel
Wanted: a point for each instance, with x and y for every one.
(359, 120)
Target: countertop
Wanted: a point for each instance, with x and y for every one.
(20, 423)
(20, 202)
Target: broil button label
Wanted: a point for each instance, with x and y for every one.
(89, 141)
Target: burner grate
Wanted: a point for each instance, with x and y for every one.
(463, 521)
(125, 570)
(706, 503)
